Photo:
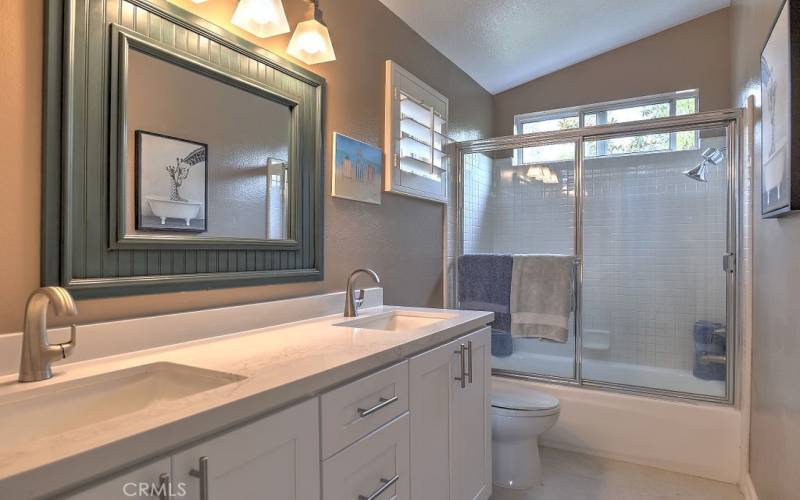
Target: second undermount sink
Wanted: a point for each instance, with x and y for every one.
(62, 407)
(397, 320)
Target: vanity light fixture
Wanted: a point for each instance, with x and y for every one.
(199, 1)
(263, 18)
(311, 42)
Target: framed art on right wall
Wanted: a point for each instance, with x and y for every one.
(780, 114)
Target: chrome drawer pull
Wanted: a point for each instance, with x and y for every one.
(469, 361)
(382, 403)
(163, 487)
(202, 475)
(387, 483)
(462, 361)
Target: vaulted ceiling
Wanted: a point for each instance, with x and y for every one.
(504, 43)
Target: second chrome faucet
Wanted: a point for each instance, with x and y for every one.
(351, 302)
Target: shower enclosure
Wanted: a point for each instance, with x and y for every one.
(649, 210)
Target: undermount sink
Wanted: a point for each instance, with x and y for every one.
(397, 321)
(62, 407)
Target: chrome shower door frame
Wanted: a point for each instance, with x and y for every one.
(729, 119)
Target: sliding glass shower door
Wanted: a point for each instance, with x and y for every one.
(655, 234)
(522, 201)
(650, 213)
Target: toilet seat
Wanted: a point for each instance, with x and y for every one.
(513, 399)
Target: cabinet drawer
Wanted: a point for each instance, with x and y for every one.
(356, 409)
(377, 466)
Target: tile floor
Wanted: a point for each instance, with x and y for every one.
(574, 476)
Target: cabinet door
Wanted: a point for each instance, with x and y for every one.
(376, 466)
(148, 481)
(276, 457)
(431, 392)
(471, 427)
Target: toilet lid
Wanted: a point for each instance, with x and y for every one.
(516, 396)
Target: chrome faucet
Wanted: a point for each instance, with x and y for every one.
(37, 353)
(351, 302)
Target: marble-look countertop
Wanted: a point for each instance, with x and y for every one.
(282, 364)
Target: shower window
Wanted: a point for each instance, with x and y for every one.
(622, 111)
(653, 233)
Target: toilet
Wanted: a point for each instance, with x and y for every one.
(520, 413)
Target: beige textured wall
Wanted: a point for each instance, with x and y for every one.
(775, 415)
(400, 239)
(20, 139)
(695, 54)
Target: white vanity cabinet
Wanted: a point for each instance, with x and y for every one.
(276, 457)
(418, 430)
(450, 422)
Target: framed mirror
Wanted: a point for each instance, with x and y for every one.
(178, 156)
(205, 158)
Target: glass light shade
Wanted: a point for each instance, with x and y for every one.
(199, 1)
(263, 18)
(537, 173)
(311, 43)
(552, 178)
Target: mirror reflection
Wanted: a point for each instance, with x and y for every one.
(205, 159)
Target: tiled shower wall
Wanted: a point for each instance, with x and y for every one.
(653, 244)
(478, 206)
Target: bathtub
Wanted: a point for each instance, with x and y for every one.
(700, 439)
(165, 208)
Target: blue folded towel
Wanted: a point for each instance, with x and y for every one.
(484, 284)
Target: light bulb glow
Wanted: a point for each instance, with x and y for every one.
(262, 13)
(263, 18)
(311, 43)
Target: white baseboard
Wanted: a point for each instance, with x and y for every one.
(747, 487)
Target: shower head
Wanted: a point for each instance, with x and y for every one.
(698, 173)
(712, 156)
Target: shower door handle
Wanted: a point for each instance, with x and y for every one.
(729, 262)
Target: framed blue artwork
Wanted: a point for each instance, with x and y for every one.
(357, 170)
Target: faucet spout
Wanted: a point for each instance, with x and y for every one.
(352, 303)
(37, 353)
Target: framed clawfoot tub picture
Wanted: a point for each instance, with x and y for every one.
(171, 183)
(780, 114)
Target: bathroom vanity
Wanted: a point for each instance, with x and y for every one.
(256, 401)
(392, 404)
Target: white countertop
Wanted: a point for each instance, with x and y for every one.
(282, 364)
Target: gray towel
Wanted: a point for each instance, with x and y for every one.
(484, 284)
(541, 296)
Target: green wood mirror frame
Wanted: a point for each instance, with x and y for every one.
(84, 247)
